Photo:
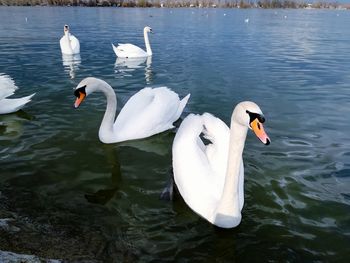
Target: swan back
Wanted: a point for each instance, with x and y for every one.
(129, 51)
(148, 112)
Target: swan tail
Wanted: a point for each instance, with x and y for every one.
(13, 105)
(115, 49)
(182, 105)
(7, 86)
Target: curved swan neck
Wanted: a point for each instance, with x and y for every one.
(67, 34)
(229, 202)
(148, 46)
(106, 128)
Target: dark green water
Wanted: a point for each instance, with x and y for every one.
(78, 199)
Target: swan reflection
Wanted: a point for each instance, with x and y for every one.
(158, 145)
(127, 65)
(105, 194)
(71, 64)
(11, 125)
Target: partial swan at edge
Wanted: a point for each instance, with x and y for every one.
(8, 88)
(148, 112)
(210, 178)
(132, 51)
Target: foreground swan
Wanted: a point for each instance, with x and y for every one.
(210, 177)
(148, 112)
(132, 51)
(8, 88)
(69, 44)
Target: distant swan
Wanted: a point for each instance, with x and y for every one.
(132, 51)
(8, 88)
(148, 112)
(210, 177)
(69, 44)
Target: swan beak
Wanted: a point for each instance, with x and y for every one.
(79, 99)
(259, 131)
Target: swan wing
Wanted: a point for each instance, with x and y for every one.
(74, 42)
(218, 133)
(148, 112)
(129, 51)
(7, 86)
(13, 105)
(193, 174)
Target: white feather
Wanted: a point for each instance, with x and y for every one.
(7, 88)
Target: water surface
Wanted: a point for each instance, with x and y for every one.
(293, 63)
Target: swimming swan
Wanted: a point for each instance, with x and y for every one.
(210, 177)
(8, 88)
(148, 112)
(132, 51)
(69, 44)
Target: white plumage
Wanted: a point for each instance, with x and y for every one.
(132, 51)
(210, 177)
(69, 44)
(8, 88)
(148, 112)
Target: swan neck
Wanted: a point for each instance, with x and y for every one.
(229, 201)
(148, 46)
(106, 128)
(67, 34)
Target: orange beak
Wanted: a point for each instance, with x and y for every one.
(259, 131)
(79, 99)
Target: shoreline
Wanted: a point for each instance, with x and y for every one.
(242, 4)
(54, 231)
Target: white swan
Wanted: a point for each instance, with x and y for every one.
(132, 51)
(69, 44)
(148, 112)
(210, 177)
(8, 88)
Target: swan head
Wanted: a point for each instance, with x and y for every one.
(148, 29)
(249, 114)
(85, 88)
(66, 29)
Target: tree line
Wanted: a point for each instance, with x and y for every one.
(175, 3)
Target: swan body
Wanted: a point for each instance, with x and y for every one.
(210, 178)
(8, 88)
(132, 51)
(148, 112)
(69, 44)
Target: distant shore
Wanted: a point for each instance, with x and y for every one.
(266, 4)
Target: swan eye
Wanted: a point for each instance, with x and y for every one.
(254, 116)
(80, 90)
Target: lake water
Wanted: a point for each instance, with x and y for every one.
(101, 202)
